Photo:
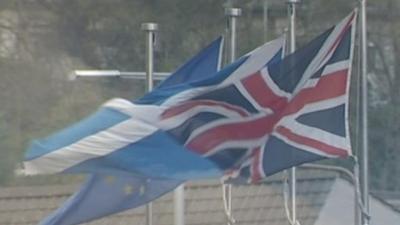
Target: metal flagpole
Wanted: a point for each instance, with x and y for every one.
(292, 47)
(150, 29)
(265, 20)
(179, 205)
(232, 14)
(364, 84)
(138, 75)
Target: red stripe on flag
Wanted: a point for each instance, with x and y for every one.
(329, 149)
(329, 86)
(176, 110)
(246, 130)
(260, 91)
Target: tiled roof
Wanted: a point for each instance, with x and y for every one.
(252, 205)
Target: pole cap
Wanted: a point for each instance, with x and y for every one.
(234, 12)
(149, 26)
(293, 1)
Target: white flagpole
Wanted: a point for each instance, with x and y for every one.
(364, 153)
(292, 47)
(232, 14)
(179, 205)
(150, 29)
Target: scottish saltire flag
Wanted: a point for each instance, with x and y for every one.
(103, 194)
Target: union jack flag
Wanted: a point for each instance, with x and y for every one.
(290, 112)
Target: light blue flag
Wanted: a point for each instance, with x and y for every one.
(104, 194)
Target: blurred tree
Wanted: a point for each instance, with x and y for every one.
(384, 80)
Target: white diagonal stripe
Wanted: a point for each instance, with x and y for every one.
(93, 146)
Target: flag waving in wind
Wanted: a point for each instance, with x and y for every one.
(305, 97)
(118, 192)
(134, 137)
(121, 191)
(255, 117)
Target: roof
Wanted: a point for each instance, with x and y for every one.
(391, 197)
(252, 204)
(323, 198)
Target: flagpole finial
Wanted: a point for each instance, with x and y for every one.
(234, 12)
(293, 1)
(149, 26)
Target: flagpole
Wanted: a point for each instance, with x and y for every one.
(232, 14)
(179, 205)
(137, 75)
(364, 85)
(265, 20)
(150, 29)
(292, 47)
